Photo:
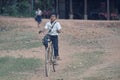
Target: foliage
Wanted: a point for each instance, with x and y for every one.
(15, 7)
(23, 8)
(11, 10)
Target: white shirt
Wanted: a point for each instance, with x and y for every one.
(38, 12)
(56, 27)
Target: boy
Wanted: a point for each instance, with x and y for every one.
(54, 28)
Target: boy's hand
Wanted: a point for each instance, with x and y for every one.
(59, 31)
(40, 31)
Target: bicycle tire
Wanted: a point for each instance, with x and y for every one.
(49, 60)
(53, 58)
(47, 63)
(54, 70)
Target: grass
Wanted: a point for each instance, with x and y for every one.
(111, 72)
(83, 42)
(14, 37)
(80, 63)
(18, 37)
(15, 77)
(85, 60)
(116, 30)
(10, 67)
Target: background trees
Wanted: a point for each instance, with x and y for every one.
(23, 8)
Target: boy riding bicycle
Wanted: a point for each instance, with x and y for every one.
(54, 28)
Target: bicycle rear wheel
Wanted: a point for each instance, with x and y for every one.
(53, 58)
(53, 65)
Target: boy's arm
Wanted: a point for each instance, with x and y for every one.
(41, 31)
(59, 28)
(44, 30)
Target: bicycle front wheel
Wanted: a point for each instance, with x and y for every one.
(47, 62)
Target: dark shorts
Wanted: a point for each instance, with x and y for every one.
(38, 19)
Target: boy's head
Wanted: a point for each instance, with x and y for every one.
(53, 17)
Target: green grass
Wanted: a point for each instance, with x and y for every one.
(15, 77)
(83, 61)
(10, 66)
(80, 63)
(18, 37)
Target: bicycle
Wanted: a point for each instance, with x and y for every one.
(49, 52)
(49, 59)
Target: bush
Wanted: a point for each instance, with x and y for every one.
(23, 8)
(16, 8)
(11, 10)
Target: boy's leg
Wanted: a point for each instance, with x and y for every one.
(55, 45)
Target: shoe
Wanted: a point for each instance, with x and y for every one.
(58, 58)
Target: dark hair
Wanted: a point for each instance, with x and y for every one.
(53, 14)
